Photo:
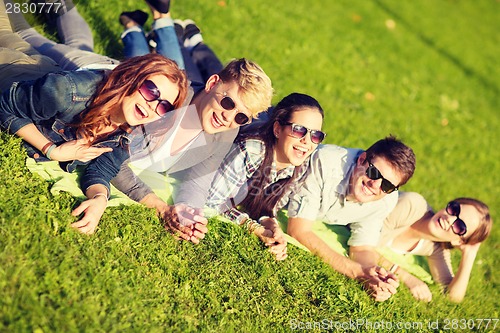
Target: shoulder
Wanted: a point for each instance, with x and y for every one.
(332, 153)
(225, 136)
(253, 146)
(410, 207)
(333, 161)
(412, 201)
(79, 82)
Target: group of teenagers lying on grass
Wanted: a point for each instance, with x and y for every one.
(179, 112)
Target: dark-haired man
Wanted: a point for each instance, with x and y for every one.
(357, 189)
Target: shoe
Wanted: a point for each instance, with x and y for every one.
(190, 29)
(151, 39)
(179, 30)
(163, 6)
(138, 16)
(192, 34)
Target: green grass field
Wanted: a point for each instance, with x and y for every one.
(426, 71)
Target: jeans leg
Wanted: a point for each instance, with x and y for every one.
(67, 57)
(9, 23)
(192, 71)
(74, 30)
(205, 59)
(166, 40)
(18, 60)
(134, 42)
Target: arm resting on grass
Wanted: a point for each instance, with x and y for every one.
(365, 255)
(93, 208)
(300, 229)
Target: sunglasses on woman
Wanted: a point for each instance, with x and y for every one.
(228, 104)
(299, 131)
(458, 227)
(373, 173)
(150, 92)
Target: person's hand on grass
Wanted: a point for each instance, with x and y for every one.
(379, 283)
(418, 288)
(92, 210)
(184, 222)
(273, 237)
(77, 150)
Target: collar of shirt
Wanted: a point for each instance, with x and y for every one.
(281, 174)
(343, 186)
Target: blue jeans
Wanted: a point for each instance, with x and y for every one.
(135, 43)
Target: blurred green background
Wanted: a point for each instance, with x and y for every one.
(426, 71)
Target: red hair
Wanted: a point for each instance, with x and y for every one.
(123, 81)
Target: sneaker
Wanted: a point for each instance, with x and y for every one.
(190, 29)
(192, 34)
(151, 39)
(163, 6)
(179, 30)
(137, 16)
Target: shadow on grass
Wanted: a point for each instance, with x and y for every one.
(429, 42)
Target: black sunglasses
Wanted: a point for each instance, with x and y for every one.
(373, 173)
(299, 131)
(150, 92)
(228, 104)
(458, 226)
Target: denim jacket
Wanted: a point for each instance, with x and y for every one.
(54, 102)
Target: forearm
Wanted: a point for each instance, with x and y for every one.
(458, 286)
(337, 261)
(365, 255)
(128, 183)
(391, 267)
(33, 136)
(151, 200)
(96, 190)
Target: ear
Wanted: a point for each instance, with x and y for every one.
(212, 82)
(361, 158)
(276, 129)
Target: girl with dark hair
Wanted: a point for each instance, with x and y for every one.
(86, 118)
(259, 172)
(414, 228)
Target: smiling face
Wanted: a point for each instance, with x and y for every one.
(364, 189)
(214, 118)
(289, 149)
(440, 228)
(136, 110)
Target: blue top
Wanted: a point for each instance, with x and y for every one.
(53, 103)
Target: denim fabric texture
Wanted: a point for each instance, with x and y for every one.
(53, 104)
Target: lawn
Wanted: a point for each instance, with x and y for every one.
(426, 71)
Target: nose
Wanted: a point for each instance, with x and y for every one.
(152, 106)
(450, 219)
(374, 184)
(306, 139)
(228, 117)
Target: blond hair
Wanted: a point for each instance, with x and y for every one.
(254, 86)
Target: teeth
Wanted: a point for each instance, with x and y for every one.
(217, 122)
(143, 112)
(367, 190)
(302, 149)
